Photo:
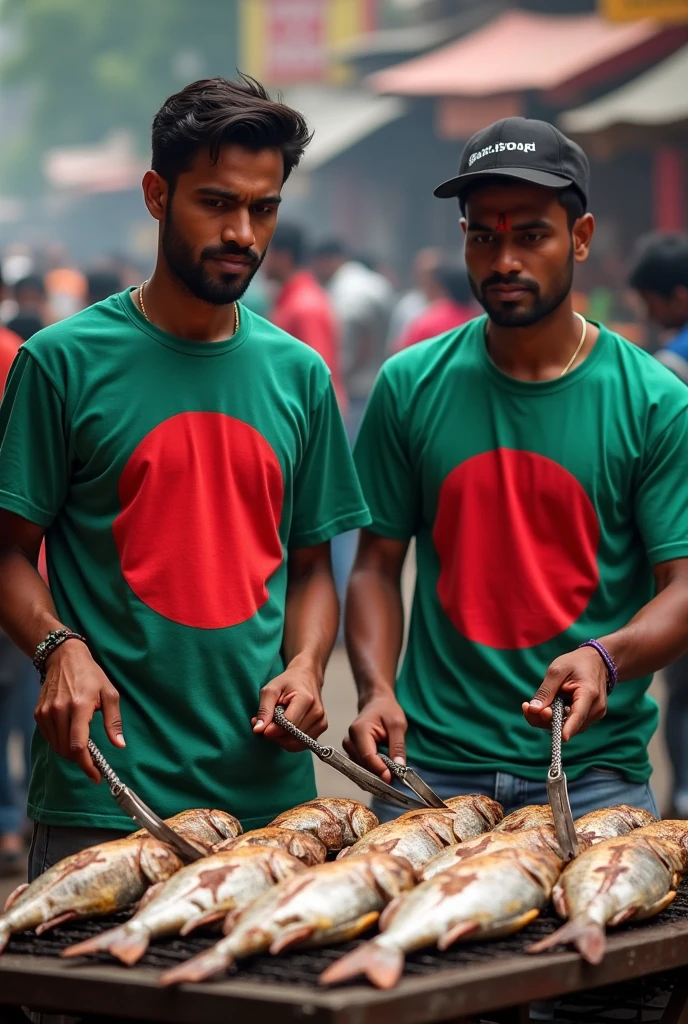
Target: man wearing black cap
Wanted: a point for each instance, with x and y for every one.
(540, 463)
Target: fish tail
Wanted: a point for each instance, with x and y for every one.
(122, 942)
(586, 935)
(381, 965)
(200, 967)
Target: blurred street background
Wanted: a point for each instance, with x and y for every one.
(392, 90)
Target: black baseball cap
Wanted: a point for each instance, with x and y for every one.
(521, 148)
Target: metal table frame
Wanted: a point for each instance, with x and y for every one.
(454, 994)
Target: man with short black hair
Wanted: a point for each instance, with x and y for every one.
(659, 273)
(540, 462)
(189, 465)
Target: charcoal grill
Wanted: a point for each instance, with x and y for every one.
(469, 980)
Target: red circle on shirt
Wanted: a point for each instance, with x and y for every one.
(517, 540)
(198, 534)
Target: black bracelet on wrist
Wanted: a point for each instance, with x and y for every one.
(51, 643)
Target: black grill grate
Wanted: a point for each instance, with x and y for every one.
(304, 968)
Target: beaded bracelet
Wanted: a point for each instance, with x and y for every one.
(51, 643)
(612, 672)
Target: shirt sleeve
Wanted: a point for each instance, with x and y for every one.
(34, 464)
(327, 495)
(390, 484)
(661, 499)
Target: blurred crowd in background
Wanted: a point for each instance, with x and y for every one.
(364, 262)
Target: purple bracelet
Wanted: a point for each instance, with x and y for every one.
(612, 673)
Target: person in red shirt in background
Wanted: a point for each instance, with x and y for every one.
(450, 305)
(16, 691)
(302, 307)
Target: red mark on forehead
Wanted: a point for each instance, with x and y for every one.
(503, 222)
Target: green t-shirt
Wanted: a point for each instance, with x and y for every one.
(173, 477)
(538, 511)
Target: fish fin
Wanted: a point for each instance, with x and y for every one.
(390, 911)
(291, 938)
(211, 917)
(14, 896)
(200, 967)
(231, 921)
(587, 936)
(343, 853)
(149, 895)
(96, 944)
(381, 965)
(5, 935)
(130, 948)
(656, 908)
(354, 928)
(459, 931)
(520, 922)
(68, 915)
(559, 901)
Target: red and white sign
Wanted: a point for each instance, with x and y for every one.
(296, 48)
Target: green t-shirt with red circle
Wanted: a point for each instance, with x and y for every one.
(173, 478)
(538, 510)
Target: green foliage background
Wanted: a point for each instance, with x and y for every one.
(91, 66)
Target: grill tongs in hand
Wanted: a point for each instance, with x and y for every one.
(361, 776)
(557, 790)
(134, 806)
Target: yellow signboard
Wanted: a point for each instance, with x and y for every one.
(292, 41)
(634, 10)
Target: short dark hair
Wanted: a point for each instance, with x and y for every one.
(101, 283)
(330, 247)
(291, 238)
(570, 198)
(216, 112)
(659, 264)
(453, 279)
(30, 283)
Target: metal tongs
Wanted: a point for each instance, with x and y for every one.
(134, 806)
(361, 776)
(411, 778)
(557, 789)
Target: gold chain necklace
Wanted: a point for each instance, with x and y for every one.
(580, 345)
(143, 308)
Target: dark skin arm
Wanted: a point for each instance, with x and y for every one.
(310, 630)
(654, 638)
(374, 636)
(75, 687)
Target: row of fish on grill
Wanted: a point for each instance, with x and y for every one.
(430, 877)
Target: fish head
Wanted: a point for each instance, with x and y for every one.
(307, 848)
(636, 816)
(157, 861)
(226, 825)
(363, 820)
(672, 837)
(205, 826)
(542, 866)
(392, 875)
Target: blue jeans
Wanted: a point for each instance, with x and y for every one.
(17, 701)
(595, 789)
(677, 732)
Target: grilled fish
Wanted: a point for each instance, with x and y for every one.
(421, 835)
(610, 822)
(336, 821)
(543, 839)
(495, 894)
(201, 825)
(302, 845)
(476, 814)
(199, 894)
(591, 829)
(526, 817)
(673, 831)
(96, 881)
(328, 903)
(633, 876)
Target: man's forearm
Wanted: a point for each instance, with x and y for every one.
(27, 610)
(656, 636)
(311, 620)
(374, 632)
